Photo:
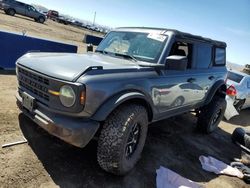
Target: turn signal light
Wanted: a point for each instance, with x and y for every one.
(82, 98)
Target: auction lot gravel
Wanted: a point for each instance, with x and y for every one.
(48, 162)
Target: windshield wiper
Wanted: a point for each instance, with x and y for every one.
(126, 56)
(101, 51)
(117, 54)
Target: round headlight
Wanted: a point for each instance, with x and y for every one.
(67, 96)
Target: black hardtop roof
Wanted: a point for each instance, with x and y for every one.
(180, 34)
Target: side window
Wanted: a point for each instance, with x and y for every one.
(186, 86)
(202, 55)
(182, 49)
(196, 87)
(30, 8)
(220, 56)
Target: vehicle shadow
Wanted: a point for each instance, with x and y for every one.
(173, 143)
(242, 119)
(7, 72)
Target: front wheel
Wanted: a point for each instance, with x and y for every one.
(41, 19)
(122, 139)
(210, 115)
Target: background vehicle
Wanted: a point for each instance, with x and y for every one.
(53, 15)
(239, 89)
(111, 93)
(177, 95)
(63, 20)
(15, 7)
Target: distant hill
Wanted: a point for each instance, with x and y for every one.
(235, 66)
(43, 9)
(40, 8)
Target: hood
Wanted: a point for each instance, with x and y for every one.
(67, 66)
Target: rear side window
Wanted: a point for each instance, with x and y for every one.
(234, 77)
(202, 55)
(220, 56)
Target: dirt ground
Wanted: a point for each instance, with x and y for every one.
(48, 162)
(49, 30)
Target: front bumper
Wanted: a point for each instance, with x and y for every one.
(73, 130)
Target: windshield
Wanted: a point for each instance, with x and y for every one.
(234, 77)
(141, 46)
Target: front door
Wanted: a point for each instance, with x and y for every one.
(184, 90)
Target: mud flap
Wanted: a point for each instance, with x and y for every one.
(230, 110)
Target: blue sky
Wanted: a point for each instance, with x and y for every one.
(226, 20)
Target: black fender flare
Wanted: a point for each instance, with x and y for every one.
(220, 87)
(113, 102)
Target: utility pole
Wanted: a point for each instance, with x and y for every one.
(94, 18)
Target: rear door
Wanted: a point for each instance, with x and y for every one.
(200, 71)
(19, 7)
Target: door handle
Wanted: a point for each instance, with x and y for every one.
(191, 80)
(211, 77)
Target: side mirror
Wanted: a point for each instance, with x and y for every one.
(176, 62)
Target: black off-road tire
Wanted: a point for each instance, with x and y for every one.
(11, 12)
(210, 115)
(242, 136)
(116, 131)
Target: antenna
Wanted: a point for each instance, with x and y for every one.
(94, 18)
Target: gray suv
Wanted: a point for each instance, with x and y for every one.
(12, 7)
(135, 77)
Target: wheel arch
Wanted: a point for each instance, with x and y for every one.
(117, 100)
(218, 89)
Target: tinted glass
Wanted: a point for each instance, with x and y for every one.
(234, 77)
(142, 46)
(203, 55)
(186, 86)
(196, 87)
(220, 56)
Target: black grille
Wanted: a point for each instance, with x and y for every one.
(34, 83)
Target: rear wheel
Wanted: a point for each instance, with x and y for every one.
(11, 12)
(210, 115)
(122, 139)
(178, 101)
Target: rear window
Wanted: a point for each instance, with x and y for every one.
(234, 77)
(220, 56)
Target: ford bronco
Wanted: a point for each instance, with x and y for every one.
(136, 76)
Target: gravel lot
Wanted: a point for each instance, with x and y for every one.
(49, 30)
(48, 162)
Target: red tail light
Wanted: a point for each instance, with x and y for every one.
(231, 91)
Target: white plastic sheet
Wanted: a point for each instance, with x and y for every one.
(218, 167)
(230, 110)
(167, 178)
